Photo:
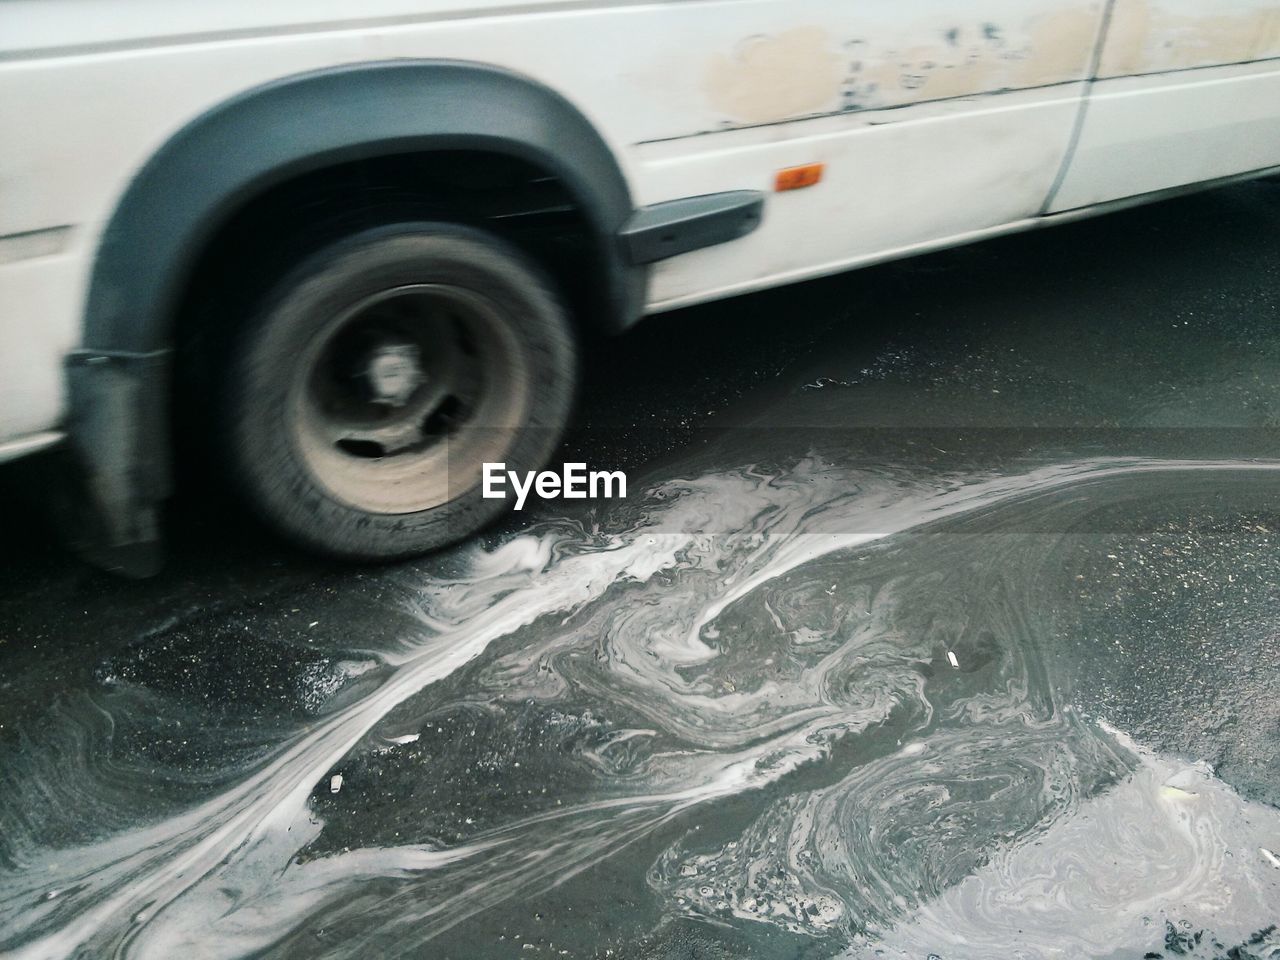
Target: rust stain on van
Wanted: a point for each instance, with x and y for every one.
(959, 65)
(808, 71)
(971, 59)
(792, 74)
(1062, 44)
(1154, 37)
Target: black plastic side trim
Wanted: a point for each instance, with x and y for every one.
(680, 226)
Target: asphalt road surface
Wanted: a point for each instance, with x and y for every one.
(942, 620)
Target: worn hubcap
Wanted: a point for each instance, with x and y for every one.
(401, 399)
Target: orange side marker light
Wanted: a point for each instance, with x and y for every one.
(798, 178)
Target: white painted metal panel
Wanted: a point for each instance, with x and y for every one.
(883, 90)
(640, 73)
(1187, 92)
(1161, 36)
(936, 173)
(39, 300)
(1144, 134)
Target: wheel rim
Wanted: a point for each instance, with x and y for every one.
(400, 400)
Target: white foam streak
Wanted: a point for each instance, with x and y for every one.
(170, 871)
(155, 866)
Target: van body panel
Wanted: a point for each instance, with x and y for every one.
(935, 123)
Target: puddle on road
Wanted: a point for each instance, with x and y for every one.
(849, 728)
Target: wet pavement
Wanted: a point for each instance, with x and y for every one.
(942, 621)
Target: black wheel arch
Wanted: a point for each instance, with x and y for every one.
(243, 146)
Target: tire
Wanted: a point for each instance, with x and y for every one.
(362, 398)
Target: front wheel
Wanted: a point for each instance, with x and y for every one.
(382, 374)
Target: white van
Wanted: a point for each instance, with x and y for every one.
(355, 243)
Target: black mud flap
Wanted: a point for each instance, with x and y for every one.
(122, 473)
